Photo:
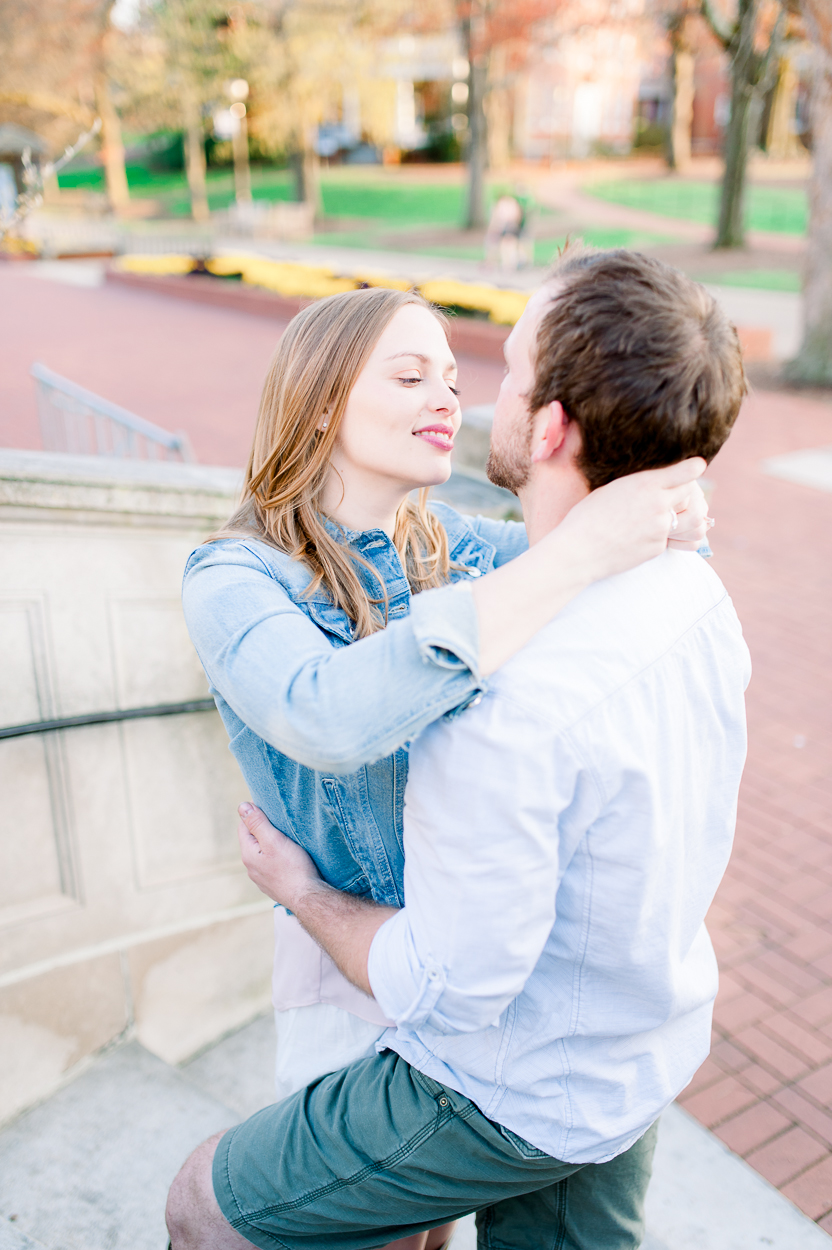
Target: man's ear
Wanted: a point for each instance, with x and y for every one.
(554, 431)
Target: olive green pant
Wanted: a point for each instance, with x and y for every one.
(379, 1151)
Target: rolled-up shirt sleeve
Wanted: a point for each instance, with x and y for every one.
(331, 708)
(489, 806)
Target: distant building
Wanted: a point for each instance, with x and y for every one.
(580, 93)
(588, 84)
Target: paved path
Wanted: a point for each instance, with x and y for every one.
(90, 1168)
(767, 1089)
(182, 366)
(564, 191)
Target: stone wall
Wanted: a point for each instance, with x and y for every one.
(123, 907)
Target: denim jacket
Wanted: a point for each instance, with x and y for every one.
(319, 727)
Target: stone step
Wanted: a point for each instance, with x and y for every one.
(89, 1169)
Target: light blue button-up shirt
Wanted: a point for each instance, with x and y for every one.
(563, 841)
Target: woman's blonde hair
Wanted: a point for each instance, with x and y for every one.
(314, 369)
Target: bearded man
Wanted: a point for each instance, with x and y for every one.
(550, 975)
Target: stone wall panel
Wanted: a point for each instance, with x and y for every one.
(50, 1023)
(120, 879)
(194, 987)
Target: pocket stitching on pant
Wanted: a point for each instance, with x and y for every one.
(370, 1170)
(525, 1149)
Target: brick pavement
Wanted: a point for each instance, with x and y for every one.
(766, 1090)
(183, 366)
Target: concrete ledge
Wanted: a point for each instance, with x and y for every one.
(138, 490)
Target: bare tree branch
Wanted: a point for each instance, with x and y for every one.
(34, 176)
(770, 60)
(724, 34)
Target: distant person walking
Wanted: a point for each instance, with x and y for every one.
(505, 228)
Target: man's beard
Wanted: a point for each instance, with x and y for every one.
(510, 466)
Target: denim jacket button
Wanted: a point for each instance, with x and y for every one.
(475, 573)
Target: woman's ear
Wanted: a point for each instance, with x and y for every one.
(324, 421)
(553, 433)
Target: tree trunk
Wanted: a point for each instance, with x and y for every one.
(296, 166)
(781, 141)
(242, 169)
(477, 155)
(814, 360)
(744, 68)
(306, 171)
(731, 227)
(195, 158)
(681, 118)
(312, 178)
(497, 107)
(112, 147)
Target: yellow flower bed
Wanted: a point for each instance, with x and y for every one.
(317, 281)
(504, 307)
(382, 279)
(166, 264)
(312, 281)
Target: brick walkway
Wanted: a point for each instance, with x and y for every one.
(767, 1088)
(183, 366)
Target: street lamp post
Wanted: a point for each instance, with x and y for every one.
(238, 90)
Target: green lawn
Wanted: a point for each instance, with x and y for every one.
(405, 204)
(757, 279)
(377, 196)
(408, 204)
(783, 210)
(172, 189)
(545, 250)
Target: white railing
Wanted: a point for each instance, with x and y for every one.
(75, 420)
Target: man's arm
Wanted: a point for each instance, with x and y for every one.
(343, 925)
(495, 805)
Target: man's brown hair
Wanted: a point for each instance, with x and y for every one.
(641, 358)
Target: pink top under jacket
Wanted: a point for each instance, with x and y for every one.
(304, 975)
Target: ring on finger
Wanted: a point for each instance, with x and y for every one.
(674, 521)
(710, 522)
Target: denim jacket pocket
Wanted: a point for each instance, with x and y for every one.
(328, 618)
(473, 554)
(347, 796)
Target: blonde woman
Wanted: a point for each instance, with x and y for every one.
(336, 616)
